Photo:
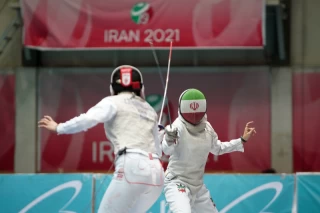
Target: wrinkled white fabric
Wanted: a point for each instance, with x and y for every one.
(129, 121)
(189, 155)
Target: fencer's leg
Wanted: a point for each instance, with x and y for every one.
(120, 196)
(203, 202)
(132, 179)
(147, 199)
(152, 192)
(178, 197)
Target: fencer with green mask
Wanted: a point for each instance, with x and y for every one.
(188, 141)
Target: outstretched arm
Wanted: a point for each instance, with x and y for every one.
(219, 148)
(102, 112)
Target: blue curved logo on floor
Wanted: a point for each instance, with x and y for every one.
(74, 193)
(45, 193)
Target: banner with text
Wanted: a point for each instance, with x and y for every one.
(7, 122)
(232, 97)
(83, 24)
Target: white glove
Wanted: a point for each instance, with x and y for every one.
(171, 135)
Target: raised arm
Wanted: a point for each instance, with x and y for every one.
(102, 112)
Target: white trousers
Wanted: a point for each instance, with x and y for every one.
(136, 185)
(180, 200)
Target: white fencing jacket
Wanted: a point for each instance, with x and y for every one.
(189, 155)
(129, 121)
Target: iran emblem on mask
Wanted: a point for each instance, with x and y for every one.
(192, 105)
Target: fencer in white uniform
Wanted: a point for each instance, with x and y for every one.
(189, 141)
(130, 123)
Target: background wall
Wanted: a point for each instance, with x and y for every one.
(294, 108)
(277, 108)
(7, 121)
(234, 97)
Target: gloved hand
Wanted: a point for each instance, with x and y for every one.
(171, 135)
